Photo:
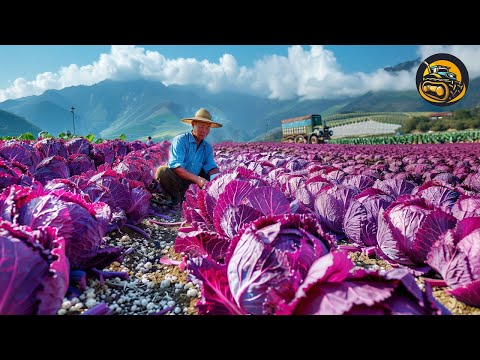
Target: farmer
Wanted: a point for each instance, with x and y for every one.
(149, 141)
(190, 158)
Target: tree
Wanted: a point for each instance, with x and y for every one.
(462, 114)
(459, 125)
(475, 112)
(409, 125)
(423, 126)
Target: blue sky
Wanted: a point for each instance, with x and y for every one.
(274, 71)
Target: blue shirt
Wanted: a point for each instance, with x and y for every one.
(183, 152)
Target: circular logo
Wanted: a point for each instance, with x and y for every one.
(442, 79)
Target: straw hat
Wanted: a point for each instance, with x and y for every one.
(204, 116)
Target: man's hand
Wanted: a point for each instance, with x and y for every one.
(187, 175)
(201, 182)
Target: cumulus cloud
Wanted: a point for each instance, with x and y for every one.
(312, 73)
(468, 54)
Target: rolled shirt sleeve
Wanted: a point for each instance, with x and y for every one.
(209, 161)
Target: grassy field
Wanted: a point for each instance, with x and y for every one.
(164, 126)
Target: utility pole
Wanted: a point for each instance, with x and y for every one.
(73, 119)
(265, 138)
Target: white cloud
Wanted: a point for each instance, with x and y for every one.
(312, 73)
(468, 54)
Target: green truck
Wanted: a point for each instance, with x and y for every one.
(309, 129)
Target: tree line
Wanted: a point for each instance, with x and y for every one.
(461, 119)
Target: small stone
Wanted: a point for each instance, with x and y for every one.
(67, 304)
(192, 293)
(164, 284)
(90, 303)
(62, 312)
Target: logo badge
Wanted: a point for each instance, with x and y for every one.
(442, 79)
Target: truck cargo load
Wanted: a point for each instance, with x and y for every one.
(305, 129)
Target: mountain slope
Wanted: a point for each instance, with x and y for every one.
(141, 108)
(13, 125)
(409, 101)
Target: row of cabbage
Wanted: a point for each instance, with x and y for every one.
(271, 234)
(433, 138)
(58, 200)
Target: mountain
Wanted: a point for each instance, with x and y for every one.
(13, 125)
(409, 101)
(141, 108)
(407, 65)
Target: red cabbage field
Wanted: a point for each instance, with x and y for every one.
(286, 229)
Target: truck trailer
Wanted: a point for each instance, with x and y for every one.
(310, 129)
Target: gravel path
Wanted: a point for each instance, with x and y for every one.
(152, 287)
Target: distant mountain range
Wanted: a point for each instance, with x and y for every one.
(141, 108)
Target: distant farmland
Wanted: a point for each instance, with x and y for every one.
(383, 117)
(365, 128)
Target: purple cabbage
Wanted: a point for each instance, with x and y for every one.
(217, 299)
(50, 168)
(82, 224)
(331, 205)
(52, 147)
(361, 218)
(20, 152)
(456, 256)
(395, 187)
(79, 164)
(269, 258)
(79, 145)
(466, 206)
(34, 270)
(333, 287)
(439, 196)
(201, 243)
(409, 227)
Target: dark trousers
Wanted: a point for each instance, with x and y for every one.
(173, 185)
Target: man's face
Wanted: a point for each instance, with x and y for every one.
(200, 129)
